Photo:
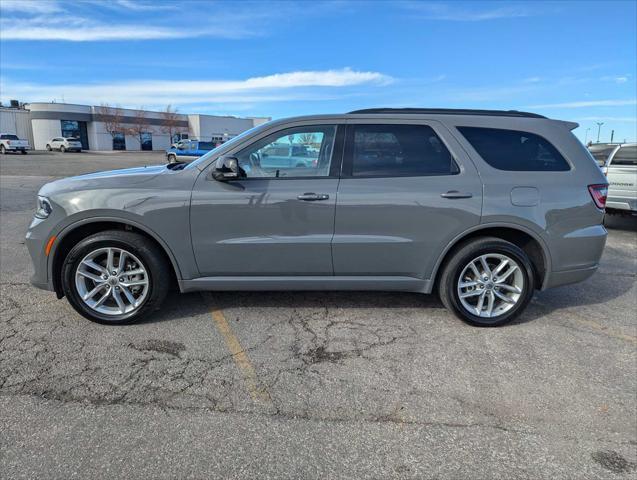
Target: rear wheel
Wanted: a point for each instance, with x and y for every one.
(115, 277)
(62, 149)
(487, 282)
(24, 152)
(3, 150)
(48, 148)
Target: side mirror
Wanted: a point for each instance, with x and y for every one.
(227, 169)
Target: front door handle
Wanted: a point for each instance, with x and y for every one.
(455, 194)
(313, 197)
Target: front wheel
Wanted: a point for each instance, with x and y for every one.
(62, 149)
(48, 148)
(487, 282)
(115, 277)
(24, 152)
(3, 150)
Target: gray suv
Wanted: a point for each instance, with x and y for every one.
(482, 207)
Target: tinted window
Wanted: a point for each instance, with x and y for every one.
(9, 137)
(514, 150)
(277, 155)
(625, 156)
(398, 151)
(206, 146)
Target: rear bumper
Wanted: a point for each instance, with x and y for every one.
(621, 203)
(555, 279)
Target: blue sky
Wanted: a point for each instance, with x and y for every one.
(569, 60)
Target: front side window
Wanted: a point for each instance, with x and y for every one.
(398, 151)
(515, 150)
(626, 156)
(295, 152)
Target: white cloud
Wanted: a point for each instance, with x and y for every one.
(615, 78)
(30, 6)
(609, 119)
(301, 85)
(455, 13)
(588, 103)
(143, 6)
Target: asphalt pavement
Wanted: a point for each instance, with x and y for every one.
(311, 384)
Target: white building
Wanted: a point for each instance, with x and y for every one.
(50, 120)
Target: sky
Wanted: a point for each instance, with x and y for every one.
(569, 60)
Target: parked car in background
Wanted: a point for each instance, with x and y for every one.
(188, 149)
(284, 156)
(64, 144)
(620, 168)
(482, 207)
(11, 143)
(601, 151)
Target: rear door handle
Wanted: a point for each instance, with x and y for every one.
(455, 194)
(313, 197)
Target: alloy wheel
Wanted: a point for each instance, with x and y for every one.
(112, 281)
(490, 285)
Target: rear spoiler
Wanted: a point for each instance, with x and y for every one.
(569, 125)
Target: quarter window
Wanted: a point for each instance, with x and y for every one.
(514, 150)
(295, 152)
(398, 151)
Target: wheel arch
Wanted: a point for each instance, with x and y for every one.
(73, 233)
(532, 244)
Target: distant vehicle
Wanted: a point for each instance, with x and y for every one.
(11, 143)
(620, 167)
(284, 155)
(64, 144)
(601, 152)
(188, 148)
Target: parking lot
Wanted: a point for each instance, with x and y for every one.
(311, 384)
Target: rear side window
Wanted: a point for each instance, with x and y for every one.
(515, 150)
(625, 156)
(397, 151)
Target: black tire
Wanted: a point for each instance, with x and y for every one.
(448, 282)
(48, 148)
(24, 152)
(3, 150)
(62, 148)
(150, 255)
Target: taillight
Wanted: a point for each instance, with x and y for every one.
(599, 192)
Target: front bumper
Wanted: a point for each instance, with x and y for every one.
(35, 240)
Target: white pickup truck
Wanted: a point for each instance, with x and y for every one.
(11, 143)
(619, 164)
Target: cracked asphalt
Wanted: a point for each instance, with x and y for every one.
(311, 385)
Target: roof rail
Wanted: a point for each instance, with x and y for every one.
(450, 111)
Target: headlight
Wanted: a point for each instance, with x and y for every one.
(44, 207)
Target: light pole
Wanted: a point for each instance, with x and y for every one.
(586, 135)
(599, 127)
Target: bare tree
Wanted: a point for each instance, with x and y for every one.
(139, 126)
(308, 139)
(170, 122)
(112, 118)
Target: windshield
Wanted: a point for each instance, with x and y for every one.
(10, 137)
(227, 146)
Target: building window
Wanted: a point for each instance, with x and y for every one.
(119, 141)
(147, 141)
(75, 129)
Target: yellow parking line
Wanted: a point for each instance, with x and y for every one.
(606, 331)
(257, 392)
